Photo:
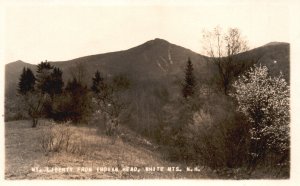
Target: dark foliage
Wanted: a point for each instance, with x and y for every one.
(98, 83)
(44, 70)
(56, 82)
(26, 81)
(188, 89)
(50, 82)
(74, 105)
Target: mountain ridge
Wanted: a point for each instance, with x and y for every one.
(273, 43)
(151, 61)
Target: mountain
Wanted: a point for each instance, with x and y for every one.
(12, 74)
(149, 62)
(154, 61)
(274, 55)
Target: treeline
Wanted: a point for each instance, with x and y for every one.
(45, 96)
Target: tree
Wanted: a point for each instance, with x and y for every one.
(37, 91)
(44, 89)
(55, 89)
(78, 101)
(49, 81)
(55, 82)
(264, 100)
(222, 49)
(79, 72)
(98, 83)
(32, 97)
(110, 99)
(26, 81)
(188, 89)
(35, 103)
(44, 70)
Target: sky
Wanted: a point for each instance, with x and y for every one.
(57, 32)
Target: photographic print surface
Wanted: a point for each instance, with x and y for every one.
(147, 91)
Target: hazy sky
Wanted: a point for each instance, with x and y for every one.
(36, 33)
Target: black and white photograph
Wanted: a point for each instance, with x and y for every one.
(143, 90)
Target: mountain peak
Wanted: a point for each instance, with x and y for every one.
(18, 61)
(275, 43)
(158, 41)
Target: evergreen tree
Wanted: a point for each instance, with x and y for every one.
(78, 105)
(188, 89)
(27, 81)
(73, 87)
(55, 88)
(98, 83)
(56, 83)
(44, 70)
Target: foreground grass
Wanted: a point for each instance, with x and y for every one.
(23, 152)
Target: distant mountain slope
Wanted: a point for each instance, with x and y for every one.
(148, 62)
(12, 74)
(154, 61)
(274, 55)
(151, 60)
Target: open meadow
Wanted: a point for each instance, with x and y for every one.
(87, 149)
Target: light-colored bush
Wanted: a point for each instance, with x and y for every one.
(59, 138)
(264, 100)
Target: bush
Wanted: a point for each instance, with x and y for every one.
(217, 134)
(264, 100)
(219, 138)
(206, 131)
(55, 139)
(74, 104)
(60, 138)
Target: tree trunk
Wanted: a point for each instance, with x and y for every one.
(34, 122)
(225, 90)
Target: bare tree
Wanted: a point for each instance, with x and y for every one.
(222, 49)
(79, 72)
(110, 99)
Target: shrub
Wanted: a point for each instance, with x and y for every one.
(217, 134)
(206, 131)
(55, 138)
(75, 105)
(264, 100)
(60, 138)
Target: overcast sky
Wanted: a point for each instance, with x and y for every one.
(36, 33)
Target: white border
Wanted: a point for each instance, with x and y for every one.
(294, 6)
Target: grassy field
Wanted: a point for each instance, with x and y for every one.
(25, 158)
